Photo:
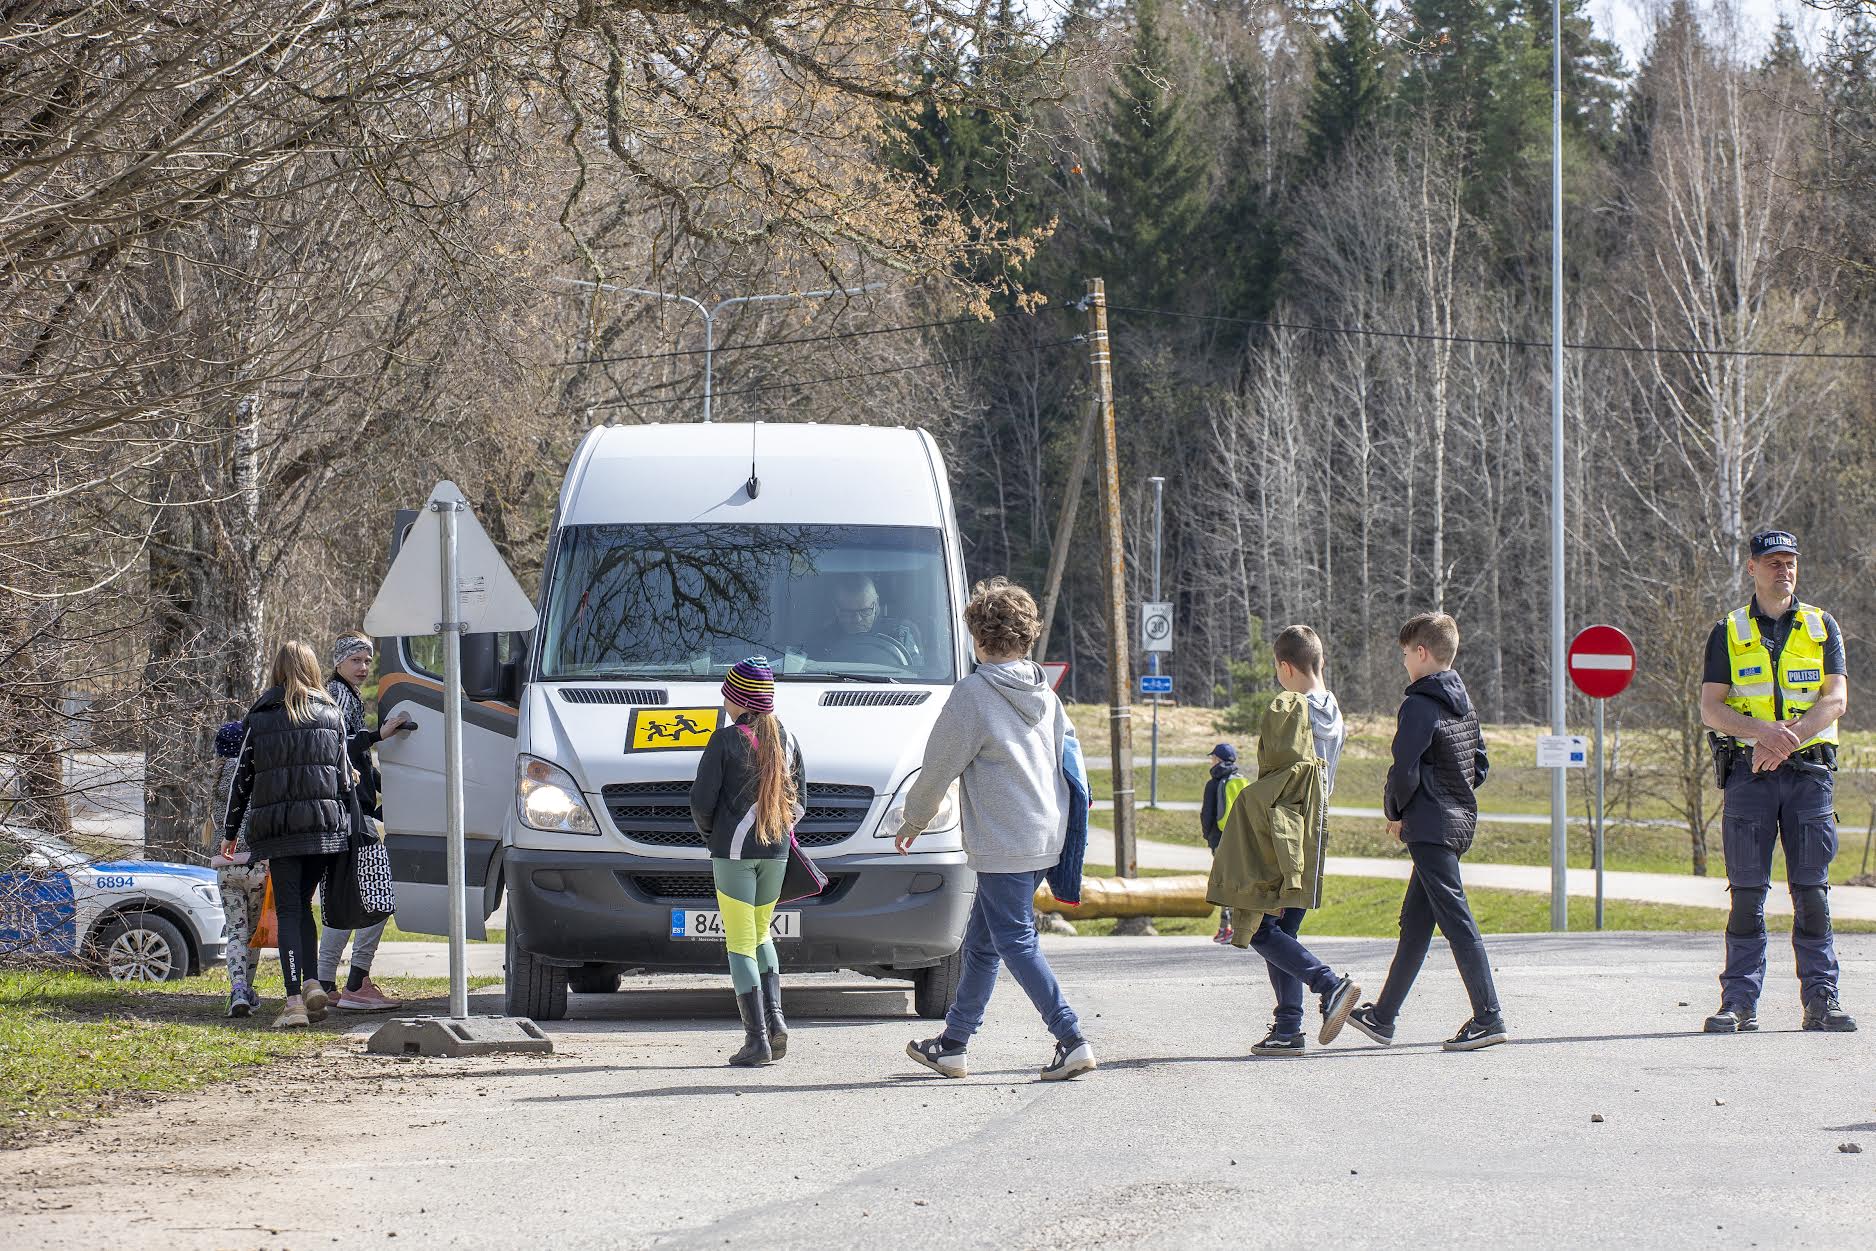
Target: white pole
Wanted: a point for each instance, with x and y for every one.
(1159, 494)
(1559, 800)
(451, 629)
(1599, 794)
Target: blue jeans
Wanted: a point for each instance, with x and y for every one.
(1293, 967)
(1002, 931)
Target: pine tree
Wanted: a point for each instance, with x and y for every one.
(1350, 94)
(1153, 174)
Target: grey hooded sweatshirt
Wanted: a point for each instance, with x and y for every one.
(1000, 735)
(1329, 731)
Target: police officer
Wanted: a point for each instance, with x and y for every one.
(1773, 689)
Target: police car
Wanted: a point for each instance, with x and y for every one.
(137, 920)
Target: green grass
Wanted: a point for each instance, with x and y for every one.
(73, 1046)
(1369, 907)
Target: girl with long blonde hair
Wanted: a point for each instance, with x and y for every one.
(293, 786)
(745, 802)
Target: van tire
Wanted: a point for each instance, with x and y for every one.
(535, 989)
(936, 988)
(593, 979)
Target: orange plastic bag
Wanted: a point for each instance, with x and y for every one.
(267, 929)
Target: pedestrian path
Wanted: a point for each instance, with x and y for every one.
(1494, 818)
(1846, 902)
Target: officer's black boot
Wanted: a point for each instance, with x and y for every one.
(772, 1014)
(755, 1032)
(1823, 1012)
(1733, 1018)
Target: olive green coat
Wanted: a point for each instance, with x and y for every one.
(1270, 856)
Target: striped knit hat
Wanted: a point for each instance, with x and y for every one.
(751, 685)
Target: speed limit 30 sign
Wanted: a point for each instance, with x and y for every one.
(1156, 627)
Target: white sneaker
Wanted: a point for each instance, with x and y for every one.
(1069, 1062)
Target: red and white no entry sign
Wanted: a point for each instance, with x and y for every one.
(1601, 661)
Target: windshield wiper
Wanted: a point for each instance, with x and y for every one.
(868, 678)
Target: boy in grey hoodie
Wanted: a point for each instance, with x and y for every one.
(1001, 737)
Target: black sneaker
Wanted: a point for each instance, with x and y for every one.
(1071, 1060)
(1275, 1044)
(1474, 1035)
(1823, 1012)
(1736, 1018)
(1365, 1019)
(935, 1055)
(1337, 1003)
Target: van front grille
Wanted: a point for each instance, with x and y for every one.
(701, 887)
(658, 813)
(874, 699)
(640, 695)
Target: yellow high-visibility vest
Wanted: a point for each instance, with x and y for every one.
(1766, 691)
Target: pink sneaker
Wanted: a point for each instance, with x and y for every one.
(367, 998)
(1222, 937)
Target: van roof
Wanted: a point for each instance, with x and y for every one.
(809, 475)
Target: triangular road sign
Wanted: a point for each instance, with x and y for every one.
(411, 600)
(1055, 671)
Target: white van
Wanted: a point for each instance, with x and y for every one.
(668, 562)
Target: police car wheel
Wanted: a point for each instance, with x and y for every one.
(143, 948)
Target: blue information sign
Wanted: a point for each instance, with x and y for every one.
(1156, 684)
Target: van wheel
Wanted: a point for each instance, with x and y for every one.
(534, 989)
(936, 988)
(594, 979)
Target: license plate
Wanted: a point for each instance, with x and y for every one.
(708, 924)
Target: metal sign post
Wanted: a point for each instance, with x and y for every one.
(1159, 499)
(423, 595)
(1601, 663)
(451, 630)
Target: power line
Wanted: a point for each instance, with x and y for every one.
(1366, 332)
(816, 338)
(868, 373)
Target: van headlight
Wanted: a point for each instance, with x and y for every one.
(547, 798)
(207, 894)
(948, 818)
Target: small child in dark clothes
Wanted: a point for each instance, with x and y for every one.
(1439, 761)
(1221, 791)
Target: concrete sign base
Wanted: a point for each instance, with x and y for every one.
(470, 1036)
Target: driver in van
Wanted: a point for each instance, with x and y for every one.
(859, 632)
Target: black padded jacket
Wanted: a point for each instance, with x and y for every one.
(1439, 761)
(723, 798)
(293, 782)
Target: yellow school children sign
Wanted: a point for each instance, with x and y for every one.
(672, 729)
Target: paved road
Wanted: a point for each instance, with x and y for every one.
(635, 1135)
(1846, 902)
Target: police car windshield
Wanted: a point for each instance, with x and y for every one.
(677, 602)
(62, 854)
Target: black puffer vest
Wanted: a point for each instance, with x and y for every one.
(1444, 809)
(298, 780)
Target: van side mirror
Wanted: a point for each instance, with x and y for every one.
(485, 672)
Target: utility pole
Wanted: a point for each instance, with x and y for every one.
(1559, 800)
(1119, 669)
(710, 312)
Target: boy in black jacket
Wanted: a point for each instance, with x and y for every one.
(1439, 761)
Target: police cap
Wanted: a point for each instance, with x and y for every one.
(1765, 542)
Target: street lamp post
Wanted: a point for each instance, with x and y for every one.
(710, 311)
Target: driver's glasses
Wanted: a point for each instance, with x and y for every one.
(858, 616)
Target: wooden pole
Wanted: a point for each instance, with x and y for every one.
(1065, 528)
(1119, 670)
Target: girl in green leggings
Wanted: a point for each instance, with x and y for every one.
(745, 802)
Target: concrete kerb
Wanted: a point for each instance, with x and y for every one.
(471, 1036)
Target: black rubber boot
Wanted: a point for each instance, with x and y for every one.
(755, 1032)
(772, 1014)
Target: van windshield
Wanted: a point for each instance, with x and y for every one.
(688, 601)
